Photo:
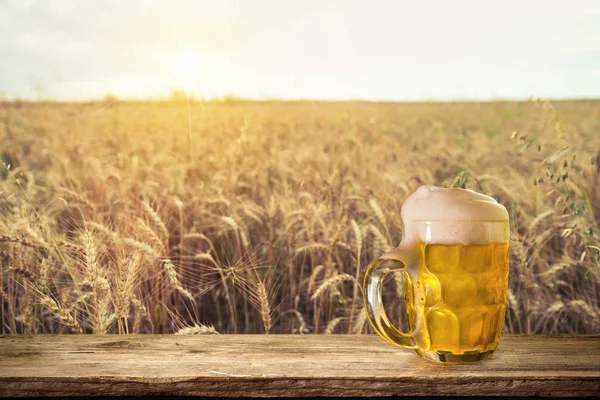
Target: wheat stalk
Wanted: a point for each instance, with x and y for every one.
(63, 316)
(90, 253)
(197, 330)
(140, 246)
(21, 270)
(151, 237)
(359, 324)
(173, 280)
(332, 325)
(380, 241)
(70, 247)
(302, 329)
(109, 234)
(313, 277)
(555, 307)
(378, 212)
(158, 222)
(23, 241)
(310, 247)
(125, 289)
(265, 307)
(332, 283)
(358, 245)
(70, 195)
(581, 305)
(252, 214)
(92, 271)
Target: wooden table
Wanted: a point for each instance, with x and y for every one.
(289, 366)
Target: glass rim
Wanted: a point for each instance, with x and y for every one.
(467, 231)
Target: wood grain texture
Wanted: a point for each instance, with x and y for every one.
(288, 366)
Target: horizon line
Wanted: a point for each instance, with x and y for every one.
(233, 98)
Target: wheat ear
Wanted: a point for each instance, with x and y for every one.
(197, 330)
(332, 325)
(62, 314)
(332, 283)
(173, 279)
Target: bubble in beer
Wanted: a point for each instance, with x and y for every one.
(432, 290)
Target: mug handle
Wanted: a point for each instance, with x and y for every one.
(372, 297)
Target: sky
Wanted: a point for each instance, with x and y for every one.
(353, 49)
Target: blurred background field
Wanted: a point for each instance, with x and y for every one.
(253, 217)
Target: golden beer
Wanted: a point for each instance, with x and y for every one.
(454, 265)
(465, 296)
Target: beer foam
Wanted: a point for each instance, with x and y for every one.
(430, 215)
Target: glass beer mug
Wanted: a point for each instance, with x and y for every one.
(454, 264)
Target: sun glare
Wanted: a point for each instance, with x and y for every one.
(186, 62)
(184, 69)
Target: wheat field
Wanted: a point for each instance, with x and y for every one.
(261, 217)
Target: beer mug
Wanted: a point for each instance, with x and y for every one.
(453, 260)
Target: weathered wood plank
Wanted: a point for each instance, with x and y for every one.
(288, 366)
